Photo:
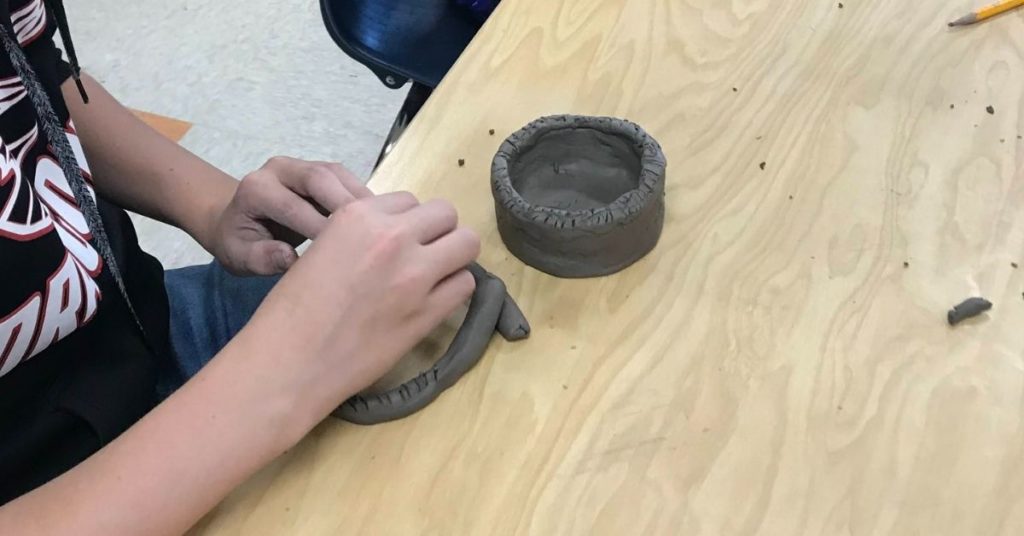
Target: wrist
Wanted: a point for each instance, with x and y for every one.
(288, 374)
(286, 339)
(257, 370)
(202, 217)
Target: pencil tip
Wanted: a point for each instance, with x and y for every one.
(970, 18)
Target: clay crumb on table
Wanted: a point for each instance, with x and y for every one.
(491, 132)
(462, 162)
(990, 110)
(906, 264)
(968, 308)
(761, 165)
(1013, 265)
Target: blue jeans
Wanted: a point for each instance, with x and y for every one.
(208, 307)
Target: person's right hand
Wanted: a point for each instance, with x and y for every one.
(384, 272)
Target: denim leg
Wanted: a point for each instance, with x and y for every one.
(208, 307)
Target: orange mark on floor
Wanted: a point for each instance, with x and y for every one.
(173, 129)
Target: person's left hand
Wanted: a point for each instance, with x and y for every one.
(276, 208)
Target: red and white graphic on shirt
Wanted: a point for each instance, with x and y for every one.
(29, 22)
(71, 295)
(11, 92)
(22, 218)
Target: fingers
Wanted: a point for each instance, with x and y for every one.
(348, 179)
(432, 220)
(301, 195)
(268, 257)
(393, 203)
(283, 206)
(449, 294)
(322, 187)
(330, 186)
(453, 251)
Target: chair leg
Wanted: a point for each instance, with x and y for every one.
(414, 100)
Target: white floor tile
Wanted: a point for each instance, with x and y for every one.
(238, 154)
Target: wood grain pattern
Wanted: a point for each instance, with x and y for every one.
(772, 367)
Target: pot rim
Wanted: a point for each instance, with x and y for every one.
(650, 183)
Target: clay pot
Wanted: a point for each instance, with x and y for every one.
(579, 196)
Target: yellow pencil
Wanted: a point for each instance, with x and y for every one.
(987, 12)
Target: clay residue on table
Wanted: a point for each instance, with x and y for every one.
(968, 308)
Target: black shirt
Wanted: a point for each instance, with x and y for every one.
(75, 371)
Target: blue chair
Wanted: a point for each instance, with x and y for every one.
(402, 41)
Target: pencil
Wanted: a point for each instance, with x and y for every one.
(987, 12)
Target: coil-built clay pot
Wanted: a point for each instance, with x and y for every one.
(579, 196)
(491, 309)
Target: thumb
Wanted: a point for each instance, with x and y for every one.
(270, 257)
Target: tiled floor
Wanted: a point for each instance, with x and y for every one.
(254, 78)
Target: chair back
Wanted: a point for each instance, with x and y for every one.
(401, 40)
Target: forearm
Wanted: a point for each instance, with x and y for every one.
(141, 170)
(180, 460)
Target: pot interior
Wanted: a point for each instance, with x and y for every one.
(576, 169)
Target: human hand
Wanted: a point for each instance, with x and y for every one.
(384, 272)
(276, 208)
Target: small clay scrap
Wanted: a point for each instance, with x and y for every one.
(579, 196)
(462, 162)
(968, 308)
(761, 165)
(990, 110)
(840, 5)
(491, 132)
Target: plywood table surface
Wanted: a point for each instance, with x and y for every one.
(780, 364)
